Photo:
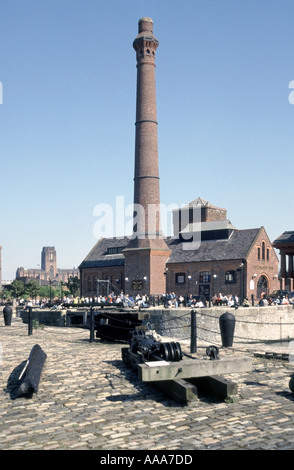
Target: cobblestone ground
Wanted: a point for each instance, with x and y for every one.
(89, 399)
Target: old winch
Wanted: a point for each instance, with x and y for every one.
(149, 348)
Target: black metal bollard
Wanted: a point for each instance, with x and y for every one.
(92, 323)
(227, 328)
(7, 313)
(30, 322)
(291, 383)
(193, 345)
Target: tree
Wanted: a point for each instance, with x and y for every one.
(17, 288)
(45, 292)
(32, 288)
(73, 285)
(5, 294)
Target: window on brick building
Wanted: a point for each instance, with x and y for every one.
(263, 250)
(267, 254)
(204, 276)
(114, 250)
(180, 278)
(230, 276)
(258, 253)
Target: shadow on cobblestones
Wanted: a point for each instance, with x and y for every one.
(13, 382)
(257, 384)
(287, 395)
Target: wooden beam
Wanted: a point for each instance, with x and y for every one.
(189, 368)
(180, 390)
(216, 386)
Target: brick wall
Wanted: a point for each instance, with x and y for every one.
(262, 265)
(89, 277)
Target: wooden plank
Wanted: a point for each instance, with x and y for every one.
(216, 386)
(189, 368)
(179, 389)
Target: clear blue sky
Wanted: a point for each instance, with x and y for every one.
(67, 134)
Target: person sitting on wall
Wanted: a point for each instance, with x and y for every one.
(285, 300)
(246, 302)
(190, 300)
(181, 301)
(214, 300)
(225, 300)
(231, 301)
(219, 299)
(263, 302)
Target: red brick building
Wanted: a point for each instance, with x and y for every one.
(226, 260)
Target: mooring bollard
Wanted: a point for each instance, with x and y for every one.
(227, 328)
(193, 345)
(291, 383)
(7, 314)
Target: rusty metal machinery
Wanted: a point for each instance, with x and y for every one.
(151, 349)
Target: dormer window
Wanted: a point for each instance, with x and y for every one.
(114, 250)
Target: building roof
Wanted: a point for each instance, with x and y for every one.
(235, 247)
(99, 255)
(286, 239)
(199, 201)
(207, 226)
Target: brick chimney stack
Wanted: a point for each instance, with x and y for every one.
(146, 179)
(147, 252)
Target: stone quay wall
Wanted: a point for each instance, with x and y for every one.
(252, 324)
(44, 317)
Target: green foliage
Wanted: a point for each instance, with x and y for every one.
(45, 292)
(73, 285)
(17, 288)
(32, 288)
(5, 294)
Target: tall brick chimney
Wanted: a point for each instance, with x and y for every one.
(147, 252)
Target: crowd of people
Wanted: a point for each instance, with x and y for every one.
(168, 300)
(287, 299)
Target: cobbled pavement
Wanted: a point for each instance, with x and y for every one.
(88, 399)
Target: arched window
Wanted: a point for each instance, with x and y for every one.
(262, 286)
(51, 271)
(263, 250)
